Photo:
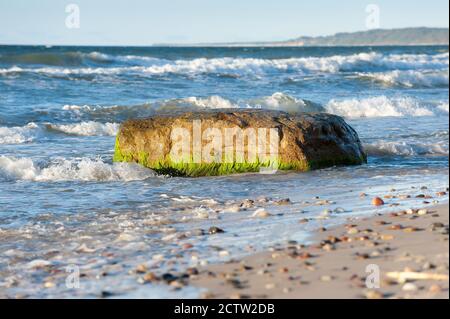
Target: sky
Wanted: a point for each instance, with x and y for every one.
(147, 22)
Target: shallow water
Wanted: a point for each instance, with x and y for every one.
(59, 190)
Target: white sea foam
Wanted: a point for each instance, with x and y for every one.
(284, 102)
(411, 78)
(404, 148)
(90, 128)
(380, 106)
(249, 66)
(443, 107)
(212, 102)
(332, 64)
(11, 70)
(83, 169)
(97, 56)
(80, 109)
(19, 134)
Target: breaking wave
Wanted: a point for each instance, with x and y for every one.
(211, 102)
(90, 128)
(83, 169)
(57, 59)
(32, 131)
(285, 102)
(241, 66)
(277, 101)
(411, 78)
(443, 107)
(381, 106)
(403, 148)
(19, 134)
(378, 106)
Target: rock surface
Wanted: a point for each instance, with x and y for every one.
(302, 142)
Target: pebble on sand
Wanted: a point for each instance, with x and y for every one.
(282, 202)
(377, 201)
(326, 278)
(215, 230)
(38, 263)
(422, 212)
(141, 269)
(150, 277)
(353, 231)
(435, 289)
(233, 209)
(372, 294)
(261, 213)
(387, 237)
(247, 203)
(409, 287)
(49, 284)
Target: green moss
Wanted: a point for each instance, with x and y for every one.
(205, 169)
(189, 168)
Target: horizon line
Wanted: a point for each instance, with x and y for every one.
(260, 43)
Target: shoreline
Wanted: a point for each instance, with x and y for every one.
(401, 246)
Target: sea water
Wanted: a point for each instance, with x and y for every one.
(64, 205)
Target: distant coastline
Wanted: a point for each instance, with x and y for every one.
(420, 36)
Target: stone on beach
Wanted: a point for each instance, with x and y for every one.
(306, 141)
(377, 201)
(261, 213)
(38, 263)
(215, 230)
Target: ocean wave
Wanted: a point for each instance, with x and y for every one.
(67, 71)
(404, 148)
(381, 106)
(83, 169)
(19, 134)
(249, 66)
(111, 113)
(443, 107)
(277, 101)
(411, 78)
(211, 102)
(89, 128)
(378, 106)
(57, 58)
(32, 131)
(284, 102)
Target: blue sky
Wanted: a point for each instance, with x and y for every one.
(145, 22)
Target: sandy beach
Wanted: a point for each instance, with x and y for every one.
(410, 248)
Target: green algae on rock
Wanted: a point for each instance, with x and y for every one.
(227, 141)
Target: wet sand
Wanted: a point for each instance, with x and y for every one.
(410, 249)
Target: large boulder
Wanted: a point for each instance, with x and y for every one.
(226, 141)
